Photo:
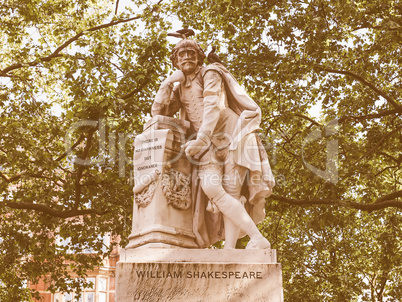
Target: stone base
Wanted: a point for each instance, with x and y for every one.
(198, 275)
(162, 236)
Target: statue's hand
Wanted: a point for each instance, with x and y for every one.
(177, 76)
(195, 146)
(163, 94)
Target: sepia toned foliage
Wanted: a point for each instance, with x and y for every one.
(335, 214)
(77, 79)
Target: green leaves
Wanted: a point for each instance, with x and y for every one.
(69, 55)
(342, 58)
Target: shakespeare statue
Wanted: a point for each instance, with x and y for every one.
(231, 174)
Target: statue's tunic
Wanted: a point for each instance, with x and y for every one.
(203, 102)
(218, 107)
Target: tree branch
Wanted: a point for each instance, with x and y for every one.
(384, 138)
(41, 208)
(376, 206)
(358, 77)
(56, 53)
(117, 7)
(375, 27)
(385, 169)
(381, 203)
(398, 160)
(10, 179)
(34, 175)
(303, 202)
(389, 196)
(383, 282)
(371, 116)
(307, 118)
(138, 89)
(80, 139)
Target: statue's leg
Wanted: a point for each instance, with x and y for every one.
(232, 181)
(232, 232)
(211, 184)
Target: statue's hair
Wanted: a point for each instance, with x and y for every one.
(188, 43)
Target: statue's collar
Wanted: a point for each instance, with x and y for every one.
(191, 77)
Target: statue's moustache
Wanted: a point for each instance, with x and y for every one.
(188, 61)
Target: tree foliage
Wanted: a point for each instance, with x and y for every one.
(76, 80)
(335, 215)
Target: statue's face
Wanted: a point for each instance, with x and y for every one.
(187, 59)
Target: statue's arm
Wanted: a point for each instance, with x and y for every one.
(166, 100)
(212, 90)
(162, 100)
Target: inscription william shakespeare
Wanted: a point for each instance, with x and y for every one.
(199, 275)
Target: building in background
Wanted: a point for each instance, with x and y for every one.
(103, 289)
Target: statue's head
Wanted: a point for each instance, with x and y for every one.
(187, 55)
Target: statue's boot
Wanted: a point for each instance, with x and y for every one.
(233, 209)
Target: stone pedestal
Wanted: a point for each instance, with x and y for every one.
(162, 214)
(198, 275)
(162, 262)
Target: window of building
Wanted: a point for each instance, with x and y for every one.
(97, 292)
(68, 297)
(103, 289)
(88, 295)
